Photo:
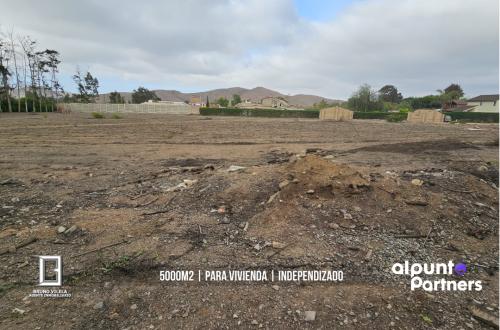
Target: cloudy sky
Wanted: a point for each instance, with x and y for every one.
(317, 47)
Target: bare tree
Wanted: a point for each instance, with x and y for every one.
(52, 64)
(14, 57)
(4, 71)
(25, 73)
(28, 46)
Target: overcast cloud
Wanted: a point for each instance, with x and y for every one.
(419, 46)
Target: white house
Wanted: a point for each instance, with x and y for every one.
(484, 103)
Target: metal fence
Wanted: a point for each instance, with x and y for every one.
(176, 109)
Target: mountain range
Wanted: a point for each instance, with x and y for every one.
(255, 95)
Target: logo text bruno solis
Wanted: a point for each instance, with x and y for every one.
(417, 272)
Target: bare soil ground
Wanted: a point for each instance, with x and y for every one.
(153, 192)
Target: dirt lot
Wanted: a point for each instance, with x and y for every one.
(123, 199)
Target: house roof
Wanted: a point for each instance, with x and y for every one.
(484, 98)
(460, 108)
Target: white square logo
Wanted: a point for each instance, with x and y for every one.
(48, 279)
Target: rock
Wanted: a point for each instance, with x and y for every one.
(133, 306)
(99, 305)
(278, 245)
(295, 180)
(71, 230)
(18, 311)
(180, 186)
(189, 183)
(209, 167)
(61, 229)
(333, 225)
(273, 196)
(225, 220)
(235, 168)
(275, 287)
(14, 199)
(417, 182)
(484, 316)
(254, 322)
(347, 216)
(368, 255)
(357, 209)
(283, 184)
(221, 210)
(482, 168)
(310, 192)
(309, 316)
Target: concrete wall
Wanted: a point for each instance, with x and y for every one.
(484, 106)
(131, 108)
(336, 113)
(425, 116)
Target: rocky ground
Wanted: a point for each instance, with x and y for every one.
(123, 199)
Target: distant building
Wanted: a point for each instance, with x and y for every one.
(457, 106)
(196, 101)
(274, 102)
(484, 103)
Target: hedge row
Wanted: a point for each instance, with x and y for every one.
(4, 105)
(259, 113)
(373, 115)
(474, 117)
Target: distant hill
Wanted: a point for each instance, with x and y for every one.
(255, 95)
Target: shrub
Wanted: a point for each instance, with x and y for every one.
(396, 117)
(97, 115)
(116, 116)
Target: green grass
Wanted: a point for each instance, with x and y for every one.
(98, 115)
(116, 116)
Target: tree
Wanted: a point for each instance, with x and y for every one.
(52, 65)
(455, 91)
(424, 102)
(5, 72)
(87, 87)
(116, 98)
(321, 105)
(142, 95)
(68, 98)
(389, 93)
(236, 99)
(28, 47)
(364, 99)
(18, 84)
(222, 101)
(207, 104)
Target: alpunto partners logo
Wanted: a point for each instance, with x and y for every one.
(417, 270)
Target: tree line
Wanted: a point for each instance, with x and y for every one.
(28, 74)
(388, 98)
